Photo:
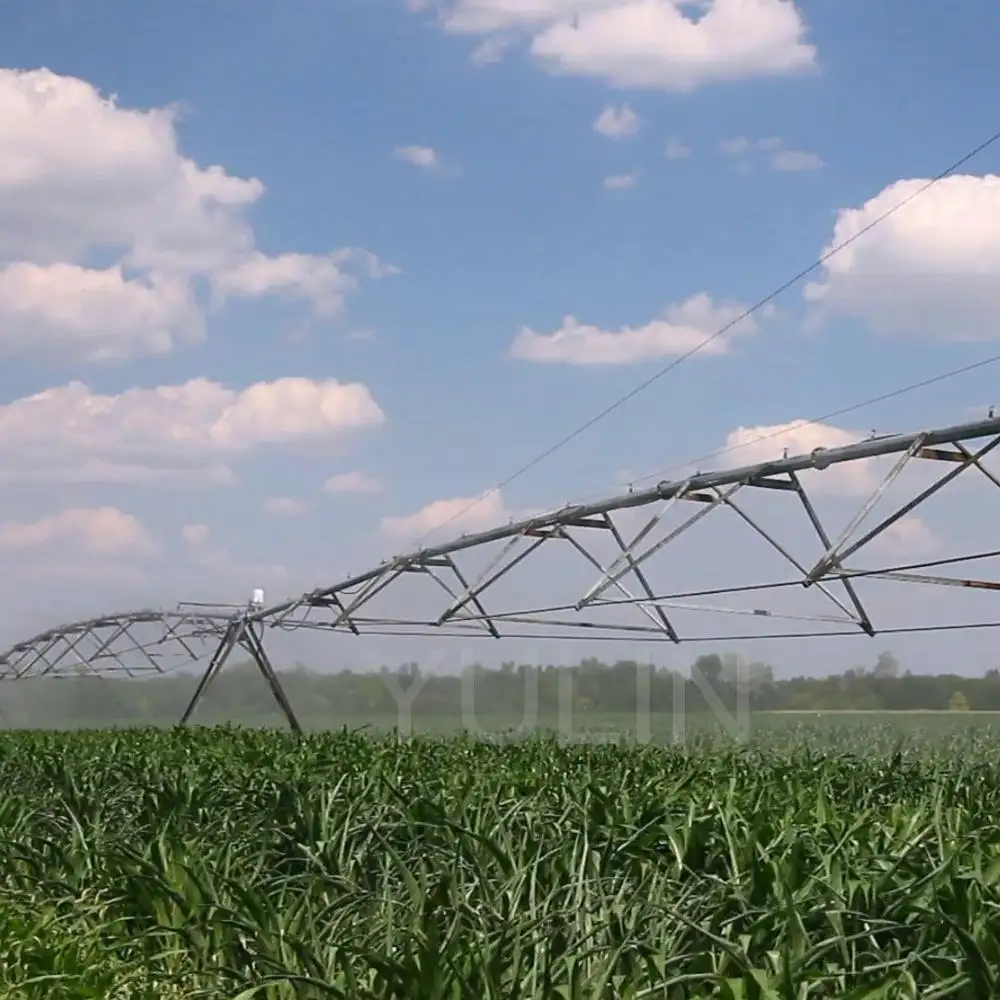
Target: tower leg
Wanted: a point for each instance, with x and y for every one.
(254, 645)
(234, 633)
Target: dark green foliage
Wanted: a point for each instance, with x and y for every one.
(223, 863)
(503, 697)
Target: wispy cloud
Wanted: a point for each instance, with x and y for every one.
(618, 182)
(779, 155)
(676, 149)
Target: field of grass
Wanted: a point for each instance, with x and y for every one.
(660, 726)
(827, 860)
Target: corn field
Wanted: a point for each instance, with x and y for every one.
(222, 863)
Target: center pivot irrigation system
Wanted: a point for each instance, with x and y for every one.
(604, 538)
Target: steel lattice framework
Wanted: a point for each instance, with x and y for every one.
(133, 643)
(465, 606)
(620, 598)
(147, 643)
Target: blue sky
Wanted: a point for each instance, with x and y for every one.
(516, 228)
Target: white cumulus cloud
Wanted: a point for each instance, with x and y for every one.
(323, 281)
(617, 122)
(418, 156)
(930, 270)
(459, 515)
(767, 442)
(84, 179)
(96, 531)
(681, 328)
(175, 433)
(94, 315)
(658, 44)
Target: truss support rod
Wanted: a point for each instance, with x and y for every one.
(102, 649)
(107, 650)
(626, 550)
(491, 574)
(343, 610)
(229, 641)
(827, 563)
(477, 603)
(69, 647)
(640, 576)
(941, 581)
(863, 619)
(170, 634)
(759, 613)
(370, 586)
(40, 655)
(254, 645)
(631, 560)
(966, 463)
(659, 618)
(106, 645)
(376, 586)
(139, 647)
(963, 451)
(782, 551)
(833, 554)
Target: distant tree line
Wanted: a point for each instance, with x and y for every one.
(510, 691)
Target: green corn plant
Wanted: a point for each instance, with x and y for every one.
(825, 861)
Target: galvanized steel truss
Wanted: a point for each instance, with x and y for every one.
(163, 640)
(466, 608)
(149, 643)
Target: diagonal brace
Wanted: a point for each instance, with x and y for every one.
(627, 562)
(834, 554)
(833, 558)
(782, 551)
(492, 573)
(659, 617)
(864, 619)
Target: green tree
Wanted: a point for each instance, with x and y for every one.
(958, 702)
(886, 666)
(710, 667)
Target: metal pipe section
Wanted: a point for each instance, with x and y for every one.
(818, 459)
